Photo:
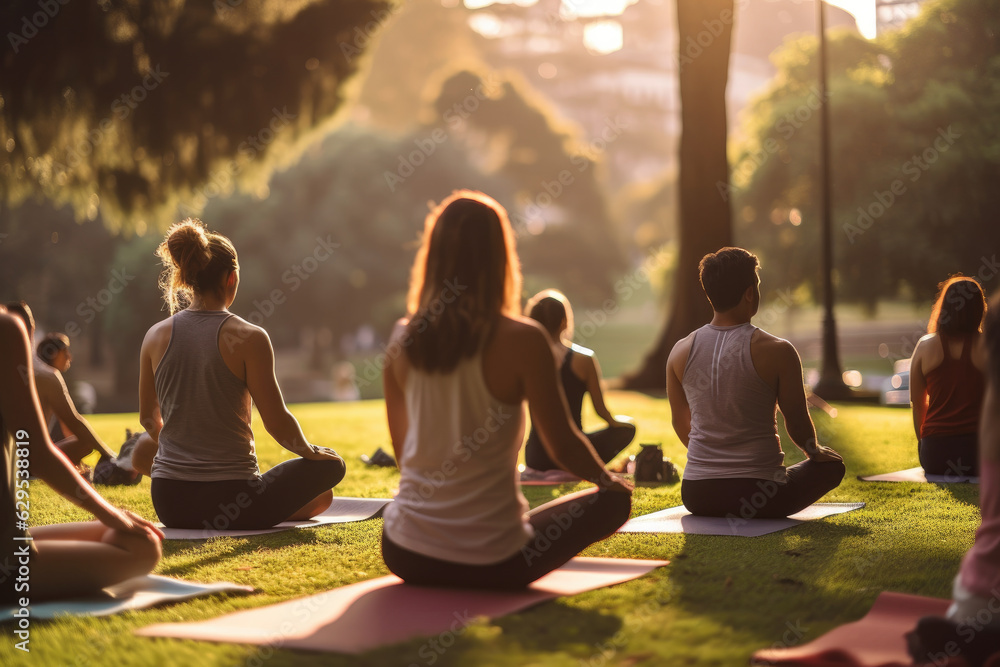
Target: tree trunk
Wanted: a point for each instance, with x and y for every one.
(705, 32)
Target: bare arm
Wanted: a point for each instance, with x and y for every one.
(58, 398)
(597, 392)
(918, 387)
(149, 406)
(258, 359)
(680, 411)
(562, 440)
(395, 399)
(792, 403)
(22, 416)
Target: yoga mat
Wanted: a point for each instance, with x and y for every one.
(679, 520)
(342, 510)
(136, 593)
(918, 475)
(384, 611)
(877, 640)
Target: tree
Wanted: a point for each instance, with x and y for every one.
(916, 154)
(558, 210)
(705, 32)
(127, 109)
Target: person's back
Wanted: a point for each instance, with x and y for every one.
(724, 382)
(733, 427)
(971, 627)
(947, 382)
(198, 372)
(458, 500)
(460, 366)
(579, 374)
(205, 409)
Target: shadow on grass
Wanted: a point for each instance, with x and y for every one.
(252, 544)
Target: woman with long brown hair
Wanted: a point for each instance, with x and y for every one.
(947, 382)
(199, 370)
(460, 366)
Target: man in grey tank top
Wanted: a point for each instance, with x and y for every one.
(725, 383)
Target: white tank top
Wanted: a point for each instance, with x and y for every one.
(459, 497)
(733, 428)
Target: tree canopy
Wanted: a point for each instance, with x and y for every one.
(915, 157)
(130, 108)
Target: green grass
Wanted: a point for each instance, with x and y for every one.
(720, 599)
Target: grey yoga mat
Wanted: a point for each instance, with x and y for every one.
(679, 520)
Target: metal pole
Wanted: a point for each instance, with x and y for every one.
(831, 382)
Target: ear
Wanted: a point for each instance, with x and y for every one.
(231, 279)
(748, 294)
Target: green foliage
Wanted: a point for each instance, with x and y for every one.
(915, 152)
(559, 210)
(128, 107)
(720, 599)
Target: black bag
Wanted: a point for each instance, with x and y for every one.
(652, 468)
(117, 470)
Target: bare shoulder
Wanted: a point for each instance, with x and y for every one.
(159, 333)
(236, 331)
(521, 330)
(682, 348)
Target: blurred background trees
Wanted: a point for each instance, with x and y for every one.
(300, 127)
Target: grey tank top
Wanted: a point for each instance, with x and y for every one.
(733, 427)
(206, 434)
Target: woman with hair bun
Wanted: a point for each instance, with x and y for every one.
(462, 363)
(199, 370)
(947, 382)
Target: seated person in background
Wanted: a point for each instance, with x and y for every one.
(579, 373)
(57, 404)
(724, 383)
(972, 627)
(453, 393)
(66, 560)
(53, 349)
(198, 370)
(947, 383)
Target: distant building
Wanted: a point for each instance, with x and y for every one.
(893, 14)
(636, 83)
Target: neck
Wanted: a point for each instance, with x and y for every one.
(207, 302)
(730, 318)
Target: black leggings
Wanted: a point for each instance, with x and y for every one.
(607, 442)
(241, 504)
(956, 455)
(563, 528)
(808, 481)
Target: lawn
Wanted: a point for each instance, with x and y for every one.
(720, 599)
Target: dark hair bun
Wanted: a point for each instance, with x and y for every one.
(188, 246)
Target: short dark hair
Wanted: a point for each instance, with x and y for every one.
(725, 275)
(20, 308)
(959, 307)
(51, 345)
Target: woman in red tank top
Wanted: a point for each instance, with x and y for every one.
(947, 382)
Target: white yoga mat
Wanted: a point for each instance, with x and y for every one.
(342, 510)
(918, 475)
(679, 520)
(137, 593)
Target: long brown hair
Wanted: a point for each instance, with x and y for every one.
(465, 276)
(959, 307)
(195, 260)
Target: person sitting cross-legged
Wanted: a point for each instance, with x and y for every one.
(725, 382)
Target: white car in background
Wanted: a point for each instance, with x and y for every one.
(896, 389)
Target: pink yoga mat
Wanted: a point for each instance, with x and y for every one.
(384, 611)
(877, 640)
